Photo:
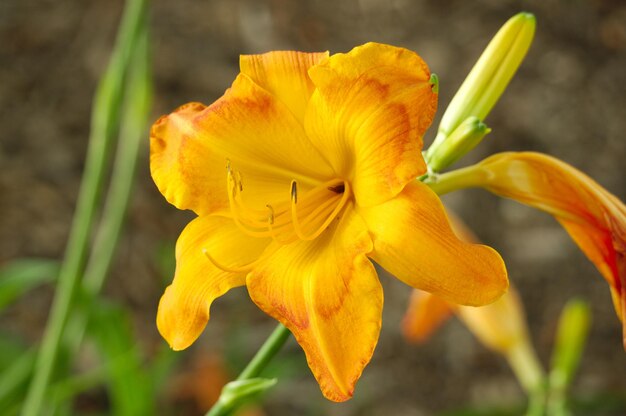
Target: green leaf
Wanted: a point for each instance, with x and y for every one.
(19, 276)
(14, 379)
(129, 385)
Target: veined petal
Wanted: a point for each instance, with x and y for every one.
(327, 293)
(184, 307)
(594, 218)
(426, 312)
(368, 114)
(414, 242)
(285, 75)
(247, 127)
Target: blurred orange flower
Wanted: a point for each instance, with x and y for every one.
(299, 173)
(593, 217)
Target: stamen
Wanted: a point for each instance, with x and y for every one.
(232, 187)
(241, 269)
(239, 181)
(294, 192)
(290, 220)
(296, 222)
(272, 231)
(270, 218)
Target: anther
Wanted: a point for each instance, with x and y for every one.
(239, 181)
(294, 192)
(270, 217)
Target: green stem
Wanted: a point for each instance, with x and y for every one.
(537, 402)
(525, 364)
(469, 177)
(103, 126)
(265, 354)
(528, 370)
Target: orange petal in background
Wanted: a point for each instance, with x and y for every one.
(424, 316)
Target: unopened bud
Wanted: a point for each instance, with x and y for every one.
(491, 74)
(463, 139)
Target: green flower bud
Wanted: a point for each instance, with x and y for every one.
(491, 74)
(463, 139)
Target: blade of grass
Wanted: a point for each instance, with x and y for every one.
(133, 128)
(103, 127)
(128, 384)
(19, 276)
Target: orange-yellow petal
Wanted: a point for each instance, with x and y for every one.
(327, 293)
(184, 307)
(414, 242)
(285, 75)
(248, 127)
(368, 114)
(594, 218)
(425, 314)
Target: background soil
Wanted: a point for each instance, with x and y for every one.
(568, 100)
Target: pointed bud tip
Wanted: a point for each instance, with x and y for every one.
(528, 17)
(434, 82)
(482, 128)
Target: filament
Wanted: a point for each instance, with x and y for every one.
(241, 269)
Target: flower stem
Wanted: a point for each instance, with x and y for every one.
(469, 177)
(105, 113)
(530, 374)
(260, 360)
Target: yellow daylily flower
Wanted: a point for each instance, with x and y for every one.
(300, 174)
(593, 217)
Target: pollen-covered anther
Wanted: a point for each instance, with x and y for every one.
(270, 217)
